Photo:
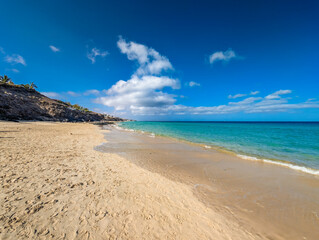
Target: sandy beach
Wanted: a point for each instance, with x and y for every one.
(168, 120)
(55, 185)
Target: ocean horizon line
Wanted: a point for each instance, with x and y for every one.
(226, 121)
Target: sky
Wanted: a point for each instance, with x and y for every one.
(212, 60)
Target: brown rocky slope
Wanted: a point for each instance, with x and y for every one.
(19, 103)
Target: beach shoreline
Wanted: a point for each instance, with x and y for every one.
(242, 155)
(56, 185)
(267, 199)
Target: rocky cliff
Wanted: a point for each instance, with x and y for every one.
(19, 103)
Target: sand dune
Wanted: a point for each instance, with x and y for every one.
(55, 185)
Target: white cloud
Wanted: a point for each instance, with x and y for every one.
(15, 59)
(133, 100)
(96, 53)
(140, 91)
(248, 100)
(13, 70)
(254, 92)
(54, 49)
(134, 51)
(92, 92)
(247, 105)
(146, 91)
(193, 84)
(236, 96)
(144, 83)
(149, 60)
(51, 94)
(225, 56)
(277, 94)
(2, 50)
(73, 94)
(145, 87)
(239, 95)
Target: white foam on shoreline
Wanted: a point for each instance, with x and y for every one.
(283, 164)
(118, 127)
(124, 129)
(152, 135)
(279, 163)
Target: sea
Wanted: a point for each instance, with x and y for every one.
(290, 144)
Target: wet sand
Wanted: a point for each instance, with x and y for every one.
(269, 201)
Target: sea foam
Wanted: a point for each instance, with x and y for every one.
(283, 164)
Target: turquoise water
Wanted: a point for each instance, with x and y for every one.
(296, 143)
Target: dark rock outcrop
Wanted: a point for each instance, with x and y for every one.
(19, 103)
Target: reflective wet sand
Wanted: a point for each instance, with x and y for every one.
(271, 201)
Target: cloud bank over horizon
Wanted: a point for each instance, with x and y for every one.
(150, 90)
(143, 93)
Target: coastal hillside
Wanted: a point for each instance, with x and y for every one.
(23, 102)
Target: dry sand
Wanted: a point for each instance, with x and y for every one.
(55, 185)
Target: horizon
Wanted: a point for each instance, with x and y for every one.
(253, 61)
(229, 121)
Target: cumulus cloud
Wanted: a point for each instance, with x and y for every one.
(135, 100)
(277, 94)
(193, 84)
(15, 59)
(225, 56)
(94, 53)
(149, 60)
(140, 91)
(146, 85)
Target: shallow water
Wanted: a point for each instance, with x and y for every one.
(295, 143)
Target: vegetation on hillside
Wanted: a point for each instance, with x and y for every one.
(6, 80)
(75, 106)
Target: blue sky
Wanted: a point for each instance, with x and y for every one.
(168, 60)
